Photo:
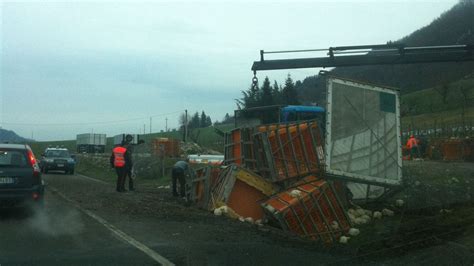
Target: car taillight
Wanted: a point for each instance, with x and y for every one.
(31, 158)
(36, 195)
(33, 163)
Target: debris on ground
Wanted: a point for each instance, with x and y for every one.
(274, 174)
(344, 239)
(262, 181)
(399, 203)
(354, 232)
(387, 212)
(377, 215)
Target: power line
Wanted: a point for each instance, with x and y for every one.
(89, 123)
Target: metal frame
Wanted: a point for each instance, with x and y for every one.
(311, 204)
(247, 149)
(382, 54)
(286, 153)
(328, 151)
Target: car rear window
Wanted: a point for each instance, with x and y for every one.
(57, 153)
(13, 158)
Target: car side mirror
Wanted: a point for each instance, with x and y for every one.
(43, 155)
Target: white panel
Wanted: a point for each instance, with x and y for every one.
(363, 132)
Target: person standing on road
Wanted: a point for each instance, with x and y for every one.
(412, 145)
(130, 176)
(121, 161)
(129, 169)
(178, 173)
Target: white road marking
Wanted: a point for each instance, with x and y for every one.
(130, 240)
(93, 179)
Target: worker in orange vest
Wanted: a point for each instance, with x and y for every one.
(121, 161)
(412, 145)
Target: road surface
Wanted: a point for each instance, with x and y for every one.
(85, 222)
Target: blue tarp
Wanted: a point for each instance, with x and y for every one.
(303, 109)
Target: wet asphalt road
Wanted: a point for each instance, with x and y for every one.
(61, 235)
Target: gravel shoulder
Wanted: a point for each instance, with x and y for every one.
(190, 236)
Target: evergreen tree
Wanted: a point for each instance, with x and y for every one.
(289, 92)
(276, 93)
(203, 120)
(266, 100)
(266, 92)
(194, 123)
(208, 121)
(251, 98)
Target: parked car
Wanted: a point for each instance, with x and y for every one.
(57, 159)
(20, 176)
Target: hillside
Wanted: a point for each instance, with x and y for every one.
(205, 137)
(449, 104)
(455, 26)
(11, 136)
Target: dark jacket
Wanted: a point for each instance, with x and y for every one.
(182, 165)
(128, 159)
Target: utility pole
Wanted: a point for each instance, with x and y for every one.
(185, 125)
(166, 124)
(144, 125)
(150, 124)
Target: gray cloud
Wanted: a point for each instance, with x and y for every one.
(85, 61)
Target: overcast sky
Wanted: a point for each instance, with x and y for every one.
(75, 67)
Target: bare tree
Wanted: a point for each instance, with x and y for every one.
(183, 119)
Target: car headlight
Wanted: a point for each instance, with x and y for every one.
(49, 160)
(70, 161)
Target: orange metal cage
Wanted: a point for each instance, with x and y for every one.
(289, 151)
(314, 213)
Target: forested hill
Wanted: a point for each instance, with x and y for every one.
(455, 26)
(11, 137)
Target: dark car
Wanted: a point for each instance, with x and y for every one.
(20, 175)
(57, 159)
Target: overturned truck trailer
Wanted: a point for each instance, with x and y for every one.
(363, 141)
(91, 143)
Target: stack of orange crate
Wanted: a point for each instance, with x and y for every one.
(169, 146)
(289, 151)
(453, 150)
(310, 210)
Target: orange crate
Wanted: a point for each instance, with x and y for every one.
(453, 150)
(287, 151)
(238, 148)
(170, 147)
(246, 200)
(202, 184)
(242, 190)
(310, 214)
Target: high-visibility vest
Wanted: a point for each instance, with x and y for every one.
(412, 143)
(119, 156)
